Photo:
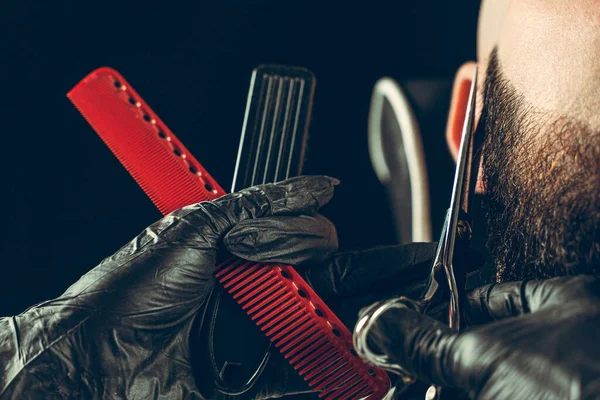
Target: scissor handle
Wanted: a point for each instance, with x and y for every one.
(362, 328)
(444, 281)
(449, 267)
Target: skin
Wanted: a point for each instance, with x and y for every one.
(539, 105)
(549, 51)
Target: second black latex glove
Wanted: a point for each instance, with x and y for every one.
(530, 340)
(346, 282)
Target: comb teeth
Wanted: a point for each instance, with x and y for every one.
(275, 125)
(315, 360)
(304, 330)
(281, 304)
(142, 142)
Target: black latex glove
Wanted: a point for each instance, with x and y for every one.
(528, 340)
(347, 282)
(122, 331)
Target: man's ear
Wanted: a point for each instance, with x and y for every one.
(458, 109)
(458, 106)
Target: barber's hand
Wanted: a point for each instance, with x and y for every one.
(528, 340)
(123, 330)
(346, 282)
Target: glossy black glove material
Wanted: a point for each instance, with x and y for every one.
(123, 330)
(348, 282)
(127, 329)
(527, 340)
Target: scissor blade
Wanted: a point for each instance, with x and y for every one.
(462, 174)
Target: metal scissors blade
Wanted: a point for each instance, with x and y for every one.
(444, 259)
(459, 200)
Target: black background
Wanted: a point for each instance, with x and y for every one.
(67, 201)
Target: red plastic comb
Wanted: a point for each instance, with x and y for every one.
(285, 308)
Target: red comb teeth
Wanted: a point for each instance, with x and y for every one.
(275, 297)
(307, 333)
(155, 158)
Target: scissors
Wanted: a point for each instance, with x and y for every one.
(448, 272)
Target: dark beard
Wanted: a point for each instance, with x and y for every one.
(542, 181)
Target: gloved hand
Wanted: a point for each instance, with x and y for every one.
(347, 282)
(528, 340)
(123, 331)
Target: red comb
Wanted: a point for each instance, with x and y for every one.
(285, 308)
(155, 158)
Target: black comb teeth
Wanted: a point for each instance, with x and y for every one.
(275, 125)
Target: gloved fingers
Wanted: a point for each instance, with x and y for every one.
(374, 271)
(423, 346)
(210, 221)
(289, 240)
(296, 196)
(348, 308)
(498, 301)
(495, 301)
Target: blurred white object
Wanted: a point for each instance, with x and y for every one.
(396, 151)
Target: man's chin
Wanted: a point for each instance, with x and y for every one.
(520, 254)
(542, 182)
(512, 248)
